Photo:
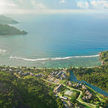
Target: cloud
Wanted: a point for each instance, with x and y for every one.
(99, 4)
(31, 4)
(92, 4)
(84, 5)
(42, 6)
(6, 5)
(37, 5)
(20, 6)
(62, 1)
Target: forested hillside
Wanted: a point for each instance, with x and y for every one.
(30, 92)
(97, 76)
(6, 29)
(7, 20)
(10, 30)
(104, 57)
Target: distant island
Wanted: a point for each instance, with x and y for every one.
(6, 29)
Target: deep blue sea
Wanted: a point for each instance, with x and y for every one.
(56, 40)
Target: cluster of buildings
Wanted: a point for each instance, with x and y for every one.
(24, 74)
(87, 96)
(74, 85)
(9, 69)
(58, 88)
(15, 69)
(77, 85)
(65, 98)
(30, 73)
(39, 75)
(55, 77)
(59, 75)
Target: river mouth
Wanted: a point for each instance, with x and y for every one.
(74, 79)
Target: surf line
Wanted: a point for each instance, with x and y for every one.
(51, 59)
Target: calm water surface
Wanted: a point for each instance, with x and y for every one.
(56, 41)
(73, 78)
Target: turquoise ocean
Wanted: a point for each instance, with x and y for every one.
(56, 40)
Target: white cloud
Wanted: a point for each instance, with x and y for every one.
(41, 6)
(5, 5)
(99, 4)
(35, 6)
(84, 5)
(92, 4)
(62, 1)
(20, 6)
(38, 5)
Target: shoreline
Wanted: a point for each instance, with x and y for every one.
(11, 69)
(88, 61)
(26, 67)
(98, 55)
(52, 58)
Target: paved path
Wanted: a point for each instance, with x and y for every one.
(89, 105)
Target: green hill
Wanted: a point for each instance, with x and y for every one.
(97, 76)
(104, 57)
(6, 29)
(30, 92)
(10, 30)
(7, 20)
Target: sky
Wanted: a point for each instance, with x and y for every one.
(51, 6)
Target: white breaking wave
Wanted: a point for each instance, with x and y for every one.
(51, 59)
(2, 51)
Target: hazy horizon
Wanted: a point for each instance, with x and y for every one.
(51, 7)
